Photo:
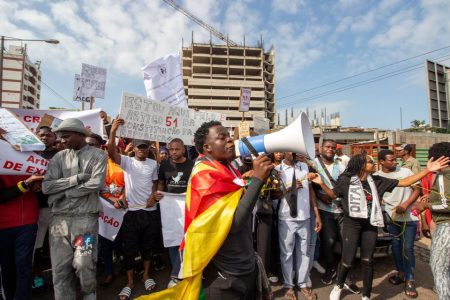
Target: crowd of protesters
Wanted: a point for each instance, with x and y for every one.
(294, 212)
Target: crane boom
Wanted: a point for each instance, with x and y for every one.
(197, 20)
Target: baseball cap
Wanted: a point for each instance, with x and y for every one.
(406, 147)
(138, 143)
(338, 146)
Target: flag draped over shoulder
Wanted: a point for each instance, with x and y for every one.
(211, 201)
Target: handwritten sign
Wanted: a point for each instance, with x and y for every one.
(244, 129)
(261, 125)
(158, 121)
(244, 100)
(93, 81)
(17, 134)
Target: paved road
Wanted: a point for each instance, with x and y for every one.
(381, 287)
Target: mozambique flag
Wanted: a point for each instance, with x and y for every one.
(212, 196)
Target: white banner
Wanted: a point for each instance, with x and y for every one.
(32, 117)
(172, 218)
(158, 121)
(109, 220)
(93, 81)
(163, 80)
(13, 162)
(17, 134)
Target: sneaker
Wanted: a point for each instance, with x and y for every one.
(38, 287)
(173, 282)
(318, 267)
(353, 288)
(273, 279)
(328, 277)
(336, 293)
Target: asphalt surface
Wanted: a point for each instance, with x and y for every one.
(382, 289)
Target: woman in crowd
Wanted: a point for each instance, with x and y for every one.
(361, 192)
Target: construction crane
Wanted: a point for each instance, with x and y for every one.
(208, 27)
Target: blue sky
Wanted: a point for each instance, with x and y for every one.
(316, 42)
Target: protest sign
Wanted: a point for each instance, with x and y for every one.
(158, 121)
(109, 220)
(163, 80)
(261, 125)
(32, 117)
(77, 90)
(17, 134)
(244, 100)
(49, 121)
(244, 129)
(93, 81)
(13, 162)
(172, 218)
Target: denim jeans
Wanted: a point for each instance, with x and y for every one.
(16, 255)
(403, 247)
(175, 261)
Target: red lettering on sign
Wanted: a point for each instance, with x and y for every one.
(8, 164)
(30, 170)
(17, 167)
(116, 224)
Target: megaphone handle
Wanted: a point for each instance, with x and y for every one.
(250, 147)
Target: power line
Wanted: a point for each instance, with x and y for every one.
(362, 73)
(365, 82)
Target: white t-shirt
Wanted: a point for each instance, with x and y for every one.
(303, 205)
(139, 177)
(398, 196)
(343, 158)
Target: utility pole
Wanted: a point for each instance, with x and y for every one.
(401, 119)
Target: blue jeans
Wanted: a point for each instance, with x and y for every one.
(403, 247)
(175, 261)
(16, 255)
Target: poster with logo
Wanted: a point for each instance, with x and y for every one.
(163, 80)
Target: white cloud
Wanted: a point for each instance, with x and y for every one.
(288, 6)
(35, 19)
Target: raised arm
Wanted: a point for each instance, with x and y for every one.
(112, 147)
(262, 166)
(432, 166)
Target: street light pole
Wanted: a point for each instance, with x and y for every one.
(2, 46)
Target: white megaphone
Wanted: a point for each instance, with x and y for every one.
(297, 137)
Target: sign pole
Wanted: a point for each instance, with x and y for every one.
(91, 103)
(82, 104)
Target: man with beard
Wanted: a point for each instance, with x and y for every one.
(140, 226)
(331, 213)
(73, 180)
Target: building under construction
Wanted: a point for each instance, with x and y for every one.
(214, 74)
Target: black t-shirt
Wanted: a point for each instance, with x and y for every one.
(383, 185)
(175, 175)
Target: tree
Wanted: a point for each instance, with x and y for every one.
(417, 123)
